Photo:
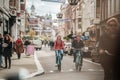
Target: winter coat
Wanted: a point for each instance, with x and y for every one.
(19, 48)
(77, 45)
(1, 41)
(58, 46)
(110, 44)
(7, 51)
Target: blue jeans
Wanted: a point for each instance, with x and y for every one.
(75, 52)
(57, 52)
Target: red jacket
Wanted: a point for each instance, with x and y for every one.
(58, 46)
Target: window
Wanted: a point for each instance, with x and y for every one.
(22, 7)
(114, 6)
(117, 6)
(98, 3)
(106, 9)
(109, 8)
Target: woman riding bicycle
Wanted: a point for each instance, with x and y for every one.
(58, 47)
(77, 44)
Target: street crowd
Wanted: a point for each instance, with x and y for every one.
(7, 48)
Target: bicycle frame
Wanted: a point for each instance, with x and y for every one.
(78, 61)
(58, 57)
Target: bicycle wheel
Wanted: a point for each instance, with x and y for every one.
(76, 66)
(80, 63)
(77, 62)
(80, 67)
(59, 62)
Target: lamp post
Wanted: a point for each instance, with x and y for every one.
(73, 2)
(59, 17)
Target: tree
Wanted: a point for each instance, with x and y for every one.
(31, 33)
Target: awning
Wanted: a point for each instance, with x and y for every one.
(6, 14)
(4, 11)
(5, 17)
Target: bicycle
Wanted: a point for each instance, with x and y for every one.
(59, 58)
(79, 59)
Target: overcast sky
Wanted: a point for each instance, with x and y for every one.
(43, 7)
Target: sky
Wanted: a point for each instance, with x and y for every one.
(43, 7)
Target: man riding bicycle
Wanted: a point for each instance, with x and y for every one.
(77, 44)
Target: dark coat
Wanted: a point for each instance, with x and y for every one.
(7, 52)
(19, 48)
(1, 41)
(112, 45)
(77, 45)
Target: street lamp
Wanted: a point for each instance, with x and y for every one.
(73, 2)
(59, 15)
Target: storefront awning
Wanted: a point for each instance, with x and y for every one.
(5, 17)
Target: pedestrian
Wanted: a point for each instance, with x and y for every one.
(26, 43)
(77, 44)
(7, 53)
(19, 47)
(109, 48)
(30, 49)
(1, 50)
(45, 42)
(51, 44)
(58, 45)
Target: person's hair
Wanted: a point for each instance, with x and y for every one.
(78, 36)
(58, 36)
(113, 19)
(9, 38)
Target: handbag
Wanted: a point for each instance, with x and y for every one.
(4, 45)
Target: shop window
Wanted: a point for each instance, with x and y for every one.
(22, 6)
(117, 6)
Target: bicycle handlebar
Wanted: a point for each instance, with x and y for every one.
(76, 48)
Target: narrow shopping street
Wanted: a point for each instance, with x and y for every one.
(90, 70)
(29, 29)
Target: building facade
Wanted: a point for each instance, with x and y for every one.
(4, 16)
(109, 8)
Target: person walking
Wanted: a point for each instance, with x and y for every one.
(19, 47)
(1, 42)
(30, 49)
(51, 44)
(7, 53)
(58, 45)
(26, 43)
(109, 49)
